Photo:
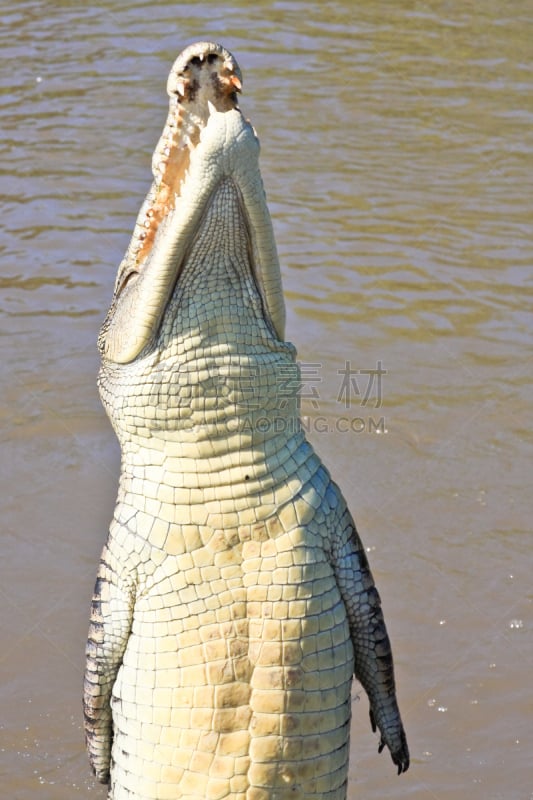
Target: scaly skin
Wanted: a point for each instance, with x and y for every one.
(234, 601)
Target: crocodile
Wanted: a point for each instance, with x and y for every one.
(234, 602)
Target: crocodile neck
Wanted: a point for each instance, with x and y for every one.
(238, 461)
(214, 408)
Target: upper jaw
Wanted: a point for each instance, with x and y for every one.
(205, 139)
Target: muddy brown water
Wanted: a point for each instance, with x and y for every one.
(397, 154)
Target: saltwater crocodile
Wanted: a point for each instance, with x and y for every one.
(234, 601)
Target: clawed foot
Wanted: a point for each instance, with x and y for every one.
(397, 744)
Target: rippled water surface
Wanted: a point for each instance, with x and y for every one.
(397, 154)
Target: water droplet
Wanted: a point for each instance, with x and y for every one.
(442, 622)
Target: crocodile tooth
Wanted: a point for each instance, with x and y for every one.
(210, 107)
(236, 83)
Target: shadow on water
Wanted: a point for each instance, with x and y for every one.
(397, 155)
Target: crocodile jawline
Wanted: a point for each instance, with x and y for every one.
(205, 140)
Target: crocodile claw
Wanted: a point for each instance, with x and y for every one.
(103, 776)
(400, 754)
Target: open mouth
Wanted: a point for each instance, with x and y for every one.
(205, 141)
(203, 79)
